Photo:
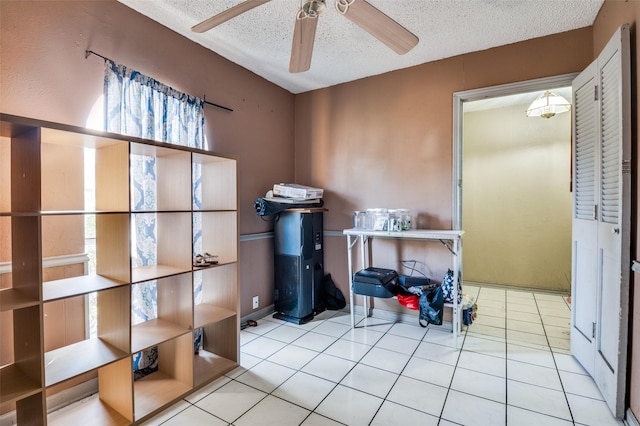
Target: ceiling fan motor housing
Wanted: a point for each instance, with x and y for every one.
(314, 8)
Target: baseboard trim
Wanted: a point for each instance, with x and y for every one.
(630, 418)
(59, 400)
(258, 314)
(515, 287)
(394, 317)
(382, 314)
(71, 395)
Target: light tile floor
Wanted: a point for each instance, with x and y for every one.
(514, 368)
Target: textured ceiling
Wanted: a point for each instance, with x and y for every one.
(260, 39)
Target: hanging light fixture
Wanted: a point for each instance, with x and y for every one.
(547, 105)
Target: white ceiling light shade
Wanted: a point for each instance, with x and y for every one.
(547, 105)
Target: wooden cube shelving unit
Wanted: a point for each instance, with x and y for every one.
(42, 215)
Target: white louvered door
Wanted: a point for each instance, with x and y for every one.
(585, 225)
(601, 243)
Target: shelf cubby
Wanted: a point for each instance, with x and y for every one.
(63, 171)
(62, 177)
(205, 313)
(110, 345)
(112, 260)
(112, 406)
(30, 410)
(16, 384)
(173, 245)
(174, 316)
(219, 353)
(77, 286)
(5, 254)
(24, 291)
(12, 298)
(172, 379)
(172, 177)
(5, 174)
(113, 255)
(20, 282)
(62, 235)
(25, 168)
(219, 295)
(78, 358)
(220, 235)
(218, 175)
(21, 354)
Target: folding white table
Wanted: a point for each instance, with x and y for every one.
(450, 238)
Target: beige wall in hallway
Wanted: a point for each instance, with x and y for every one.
(516, 199)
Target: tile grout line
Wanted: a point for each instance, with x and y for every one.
(554, 361)
(506, 381)
(506, 361)
(483, 337)
(455, 368)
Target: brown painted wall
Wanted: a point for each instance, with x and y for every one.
(44, 75)
(613, 14)
(386, 141)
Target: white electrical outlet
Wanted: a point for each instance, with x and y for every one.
(256, 302)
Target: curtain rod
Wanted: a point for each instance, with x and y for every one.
(91, 52)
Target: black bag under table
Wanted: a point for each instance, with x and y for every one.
(376, 282)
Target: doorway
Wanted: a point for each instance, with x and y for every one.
(517, 201)
(490, 95)
(604, 105)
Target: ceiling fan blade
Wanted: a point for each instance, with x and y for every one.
(379, 25)
(304, 35)
(222, 17)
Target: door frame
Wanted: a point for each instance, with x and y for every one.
(459, 98)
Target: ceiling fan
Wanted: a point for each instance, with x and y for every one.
(363, 14)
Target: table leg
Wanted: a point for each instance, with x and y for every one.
(350, 267)
(456, 308)
(365, 304)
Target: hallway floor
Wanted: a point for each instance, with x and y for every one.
(513, 368)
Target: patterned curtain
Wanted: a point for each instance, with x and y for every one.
(137, 105)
